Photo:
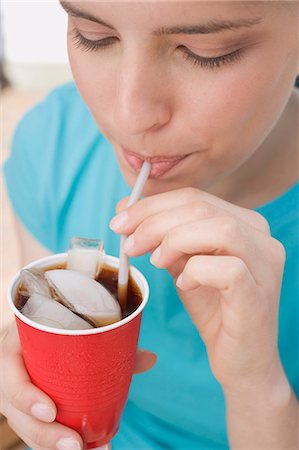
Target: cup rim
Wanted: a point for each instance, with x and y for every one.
(59, 258)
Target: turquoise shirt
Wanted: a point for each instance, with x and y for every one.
(63, 180)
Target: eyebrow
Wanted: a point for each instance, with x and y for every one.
(210, 27)
(73, 11)
(207, 28)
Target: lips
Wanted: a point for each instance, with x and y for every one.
(160, 164)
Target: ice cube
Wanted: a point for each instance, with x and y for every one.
(47, 311)
(33, 281)
(84, 296)
(86, 256)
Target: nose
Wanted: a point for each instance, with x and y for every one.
(142, 102)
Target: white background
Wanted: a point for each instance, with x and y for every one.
(34, 32)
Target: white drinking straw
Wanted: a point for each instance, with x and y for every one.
(123, 271)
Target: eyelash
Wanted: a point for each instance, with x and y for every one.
(210, 63)
(91, 46)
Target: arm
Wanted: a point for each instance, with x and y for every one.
(265, 417)
(228, 271)
(30, 249)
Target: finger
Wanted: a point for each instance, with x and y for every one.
(145, 360)
(219, 272)
(127, 221)
(228, 274)
(218, 236)
(150, 233)
(241, 304)
(16, 384)
(39, 435)
(122, 204)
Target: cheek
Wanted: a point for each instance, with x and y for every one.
(95, 85)
(237, 106)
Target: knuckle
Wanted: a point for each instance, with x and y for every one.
(261, 222)
(170, 240)
(138, 233)
(202, 209)
(16, 396)
(191, 266)
(278, 252)
(229, 228)
(38, 436)
(189, 194)
(144, 229)
(272, 291)
(238, 271)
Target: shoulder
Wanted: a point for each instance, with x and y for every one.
(65, 99)
(57, 155)
(282, 214)
(59, 124)
(61, 106)
(62, 96)
(283, 210)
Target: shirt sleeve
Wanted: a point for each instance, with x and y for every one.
(25, 174)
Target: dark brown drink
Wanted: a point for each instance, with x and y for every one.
(108, 277)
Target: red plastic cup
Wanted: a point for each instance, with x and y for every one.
(87, 373)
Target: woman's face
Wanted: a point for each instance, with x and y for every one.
(193, 86)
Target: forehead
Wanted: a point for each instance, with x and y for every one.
(164, 9)
(166, 17)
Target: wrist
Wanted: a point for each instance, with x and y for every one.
(270, 391)
(265, 415)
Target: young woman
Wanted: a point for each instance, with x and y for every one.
(205, 91)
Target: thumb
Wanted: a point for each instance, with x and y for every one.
(17, 389)
(145, 360)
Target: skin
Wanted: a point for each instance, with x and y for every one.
(196, 220)
(138, 112)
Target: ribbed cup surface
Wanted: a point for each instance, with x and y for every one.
(87, 376)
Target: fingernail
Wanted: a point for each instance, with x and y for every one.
(68, 443)
(179, 281)
(129, 243)
(43, 412)
(156, 255)
(119, 221)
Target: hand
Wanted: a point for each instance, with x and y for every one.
(30, 412)
(228, 271)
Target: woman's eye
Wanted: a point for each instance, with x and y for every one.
(205, 62)
(92, 45)
(211, 62)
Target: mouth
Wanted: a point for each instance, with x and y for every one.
(160, 164)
